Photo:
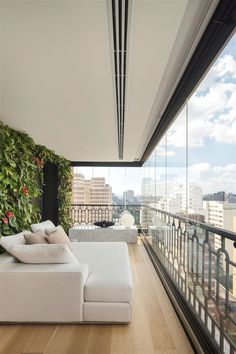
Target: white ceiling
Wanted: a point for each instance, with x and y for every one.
(57, 71)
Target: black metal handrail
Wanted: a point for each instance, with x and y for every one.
(198, 260)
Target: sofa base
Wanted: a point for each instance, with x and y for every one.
(2, 323)
(93, 313)
(120, 312)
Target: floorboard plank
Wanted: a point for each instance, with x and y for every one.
(6, 332)
(29, 339)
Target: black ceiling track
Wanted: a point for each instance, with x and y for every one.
(219, 29)
(120, 10)
(106, 164)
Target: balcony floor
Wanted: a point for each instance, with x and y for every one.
(155, 328)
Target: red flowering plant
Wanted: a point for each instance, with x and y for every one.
(5, 221)
(9, 214)
(8, 223)
(38, 161)
(24, 190)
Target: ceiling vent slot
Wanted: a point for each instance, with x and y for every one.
(120, 11)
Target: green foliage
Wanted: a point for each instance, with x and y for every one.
(65, 194)
(21, 175)
(65, 184)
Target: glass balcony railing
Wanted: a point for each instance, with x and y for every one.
(89, 213)
(199, 260)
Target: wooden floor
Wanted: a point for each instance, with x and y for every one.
(155, 328)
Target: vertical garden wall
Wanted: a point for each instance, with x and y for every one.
(21, 180)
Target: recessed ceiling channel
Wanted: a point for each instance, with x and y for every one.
(120, 23)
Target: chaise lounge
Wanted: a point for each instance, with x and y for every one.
(96, 287)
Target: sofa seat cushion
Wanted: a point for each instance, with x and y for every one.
(109, 277)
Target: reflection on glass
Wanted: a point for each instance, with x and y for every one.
(177, 191)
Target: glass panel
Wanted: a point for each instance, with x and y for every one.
(176, 201)
(195, 199)
(160, 175)
(212, 143)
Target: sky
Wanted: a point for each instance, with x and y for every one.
(211, 112)
(211, 128)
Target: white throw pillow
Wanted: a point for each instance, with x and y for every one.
(42, 226)
(50, 230)
(35, 238)
(7, 242)
(42, 253)
(57, 235)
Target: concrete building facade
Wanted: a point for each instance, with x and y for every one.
(89, 193)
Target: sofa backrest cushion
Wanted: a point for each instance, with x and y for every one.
(42, 226)
(7, 242)
(43, 253)
(35, 238)
(57, 235)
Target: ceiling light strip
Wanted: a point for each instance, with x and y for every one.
(126, 7)
(121, 76)
(115, 60)
(120, 28)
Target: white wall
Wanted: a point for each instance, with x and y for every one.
(57, 76)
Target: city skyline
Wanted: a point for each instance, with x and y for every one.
(176, 187)
(118, 188)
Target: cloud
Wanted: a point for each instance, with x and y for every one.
(224, 66)
(209, 178)
(214, 178)
(161, 151)
(223, 129)
(211, 109)
(200, 167)
(230, 168)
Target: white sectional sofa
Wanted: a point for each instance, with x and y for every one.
(96, 289)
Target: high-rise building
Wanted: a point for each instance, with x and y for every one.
(180, 200)
(148, 188)
(232, 198)
(128, 196)
(191, 198)
(78, 189)
(219, 196)
(91, 192)
(222, 215)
